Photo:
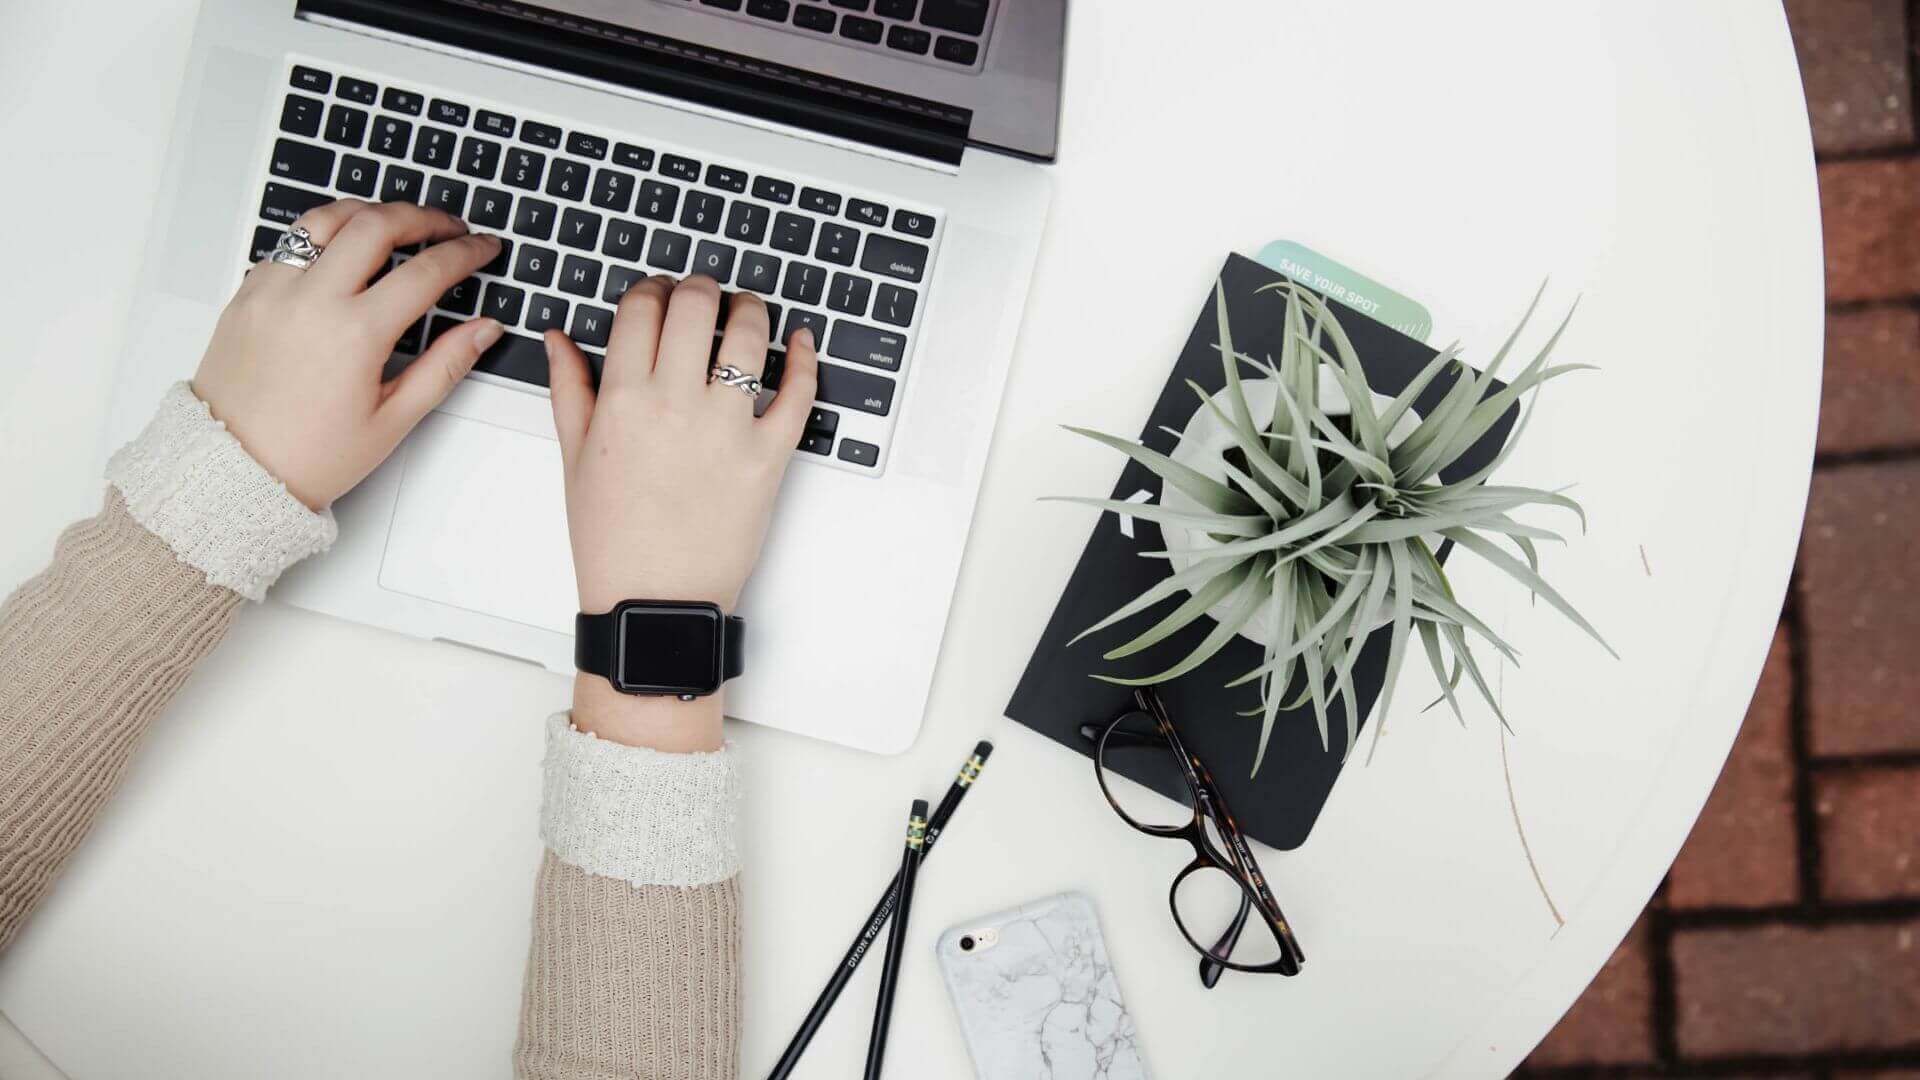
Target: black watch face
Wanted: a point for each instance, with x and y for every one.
(669, 649)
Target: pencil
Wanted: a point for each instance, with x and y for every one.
(877, 921)
(897, 936)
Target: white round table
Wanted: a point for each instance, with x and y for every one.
(321, 864)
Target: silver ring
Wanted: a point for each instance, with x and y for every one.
(733, 376)
(296, 249)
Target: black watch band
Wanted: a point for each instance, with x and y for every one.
(599, 646)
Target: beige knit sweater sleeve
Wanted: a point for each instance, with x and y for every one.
(633, 969)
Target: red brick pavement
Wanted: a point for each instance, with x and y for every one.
(1785, 944)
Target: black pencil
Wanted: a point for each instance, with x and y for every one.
(897, 936)
(877, 921)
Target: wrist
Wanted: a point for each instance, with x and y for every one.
(668, 724)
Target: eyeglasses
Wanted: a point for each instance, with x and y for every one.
(1221, 896)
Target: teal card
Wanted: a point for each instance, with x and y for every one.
(1349, 286)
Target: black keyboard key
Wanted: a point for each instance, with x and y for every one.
(959, 16)
(669, 250)
(894, 305)
(702, 211)
(867, 213)
(759, 272)
(265, 239)
(769, 9)
(285, 204)
(580, 276)
(869, 345)
(346, 126)
(535, 218)
(449, 112)
(723, 5)
(402, 101)
(773, 322)
(772, 190)
(535, 265)
(808, 17)
(358, 176)
(579, 229)
(491, 208)
(412, 338)
(446, 194)
(956, 50)
(912, 223)
(632, 157)
(714, 260)
(792, 233)
(747, 223)
(359, 90)
(299, 161)
(390, 137)
(435, 147)
(568, 179)
(894, 9)
(503, 303)
(311, 79)
(851, 5)
(908, 39)
(853, 389)
(501, 260)
(494, 123)
(816, 442)
(625, 240)
(516, 356)
(812, 320)
(540, 134)
(680, 168)
(823, 420)
(592, 326)
(587, 146)
(805, 283)
(820, 202)
(479, 158)
(860, 453)
(547, 313)
(894, 257)
(464, 297)
(524, 168)
(862, 29)
(300, 115)
(848, 294)
(719, 176)
(619, 280)
(657, 200)
(402, 185)
(837, 243)
(613, 190)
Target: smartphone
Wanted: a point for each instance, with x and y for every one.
(1037, 997)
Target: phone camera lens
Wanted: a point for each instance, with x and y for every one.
(966, 943)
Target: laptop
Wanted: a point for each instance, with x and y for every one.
(875, 169)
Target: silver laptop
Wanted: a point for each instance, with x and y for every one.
(874, 168)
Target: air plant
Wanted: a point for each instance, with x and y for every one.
(1315, 529)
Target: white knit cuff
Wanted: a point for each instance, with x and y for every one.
(642, 816)
(188, 481)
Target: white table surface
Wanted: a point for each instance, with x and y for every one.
(365, 912)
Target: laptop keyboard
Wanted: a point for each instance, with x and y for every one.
(585, 214)
(947, 33)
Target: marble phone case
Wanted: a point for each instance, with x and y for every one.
(1041, 1003)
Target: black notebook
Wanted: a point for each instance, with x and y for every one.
(1056, 694)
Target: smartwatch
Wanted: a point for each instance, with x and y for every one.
(660, 647)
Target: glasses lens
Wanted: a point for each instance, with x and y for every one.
(1207, 902)
(1142, 777)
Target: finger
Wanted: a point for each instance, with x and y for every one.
(429, 379)
(636, 334)
(571, 380)
(367, 239)
(786, 418)
(322, 224)
(401, 297)
(686, 338)
(743, 343)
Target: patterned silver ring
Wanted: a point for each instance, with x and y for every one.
(296, 249)
(733, 376)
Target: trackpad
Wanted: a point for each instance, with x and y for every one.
(481, 524)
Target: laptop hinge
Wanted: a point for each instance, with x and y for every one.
(703, 76)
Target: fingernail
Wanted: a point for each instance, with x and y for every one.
(804, 336)
(488, 333)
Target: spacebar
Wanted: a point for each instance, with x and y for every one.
(516, 357)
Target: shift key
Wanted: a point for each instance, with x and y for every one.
(850, 389)
(869, 345)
